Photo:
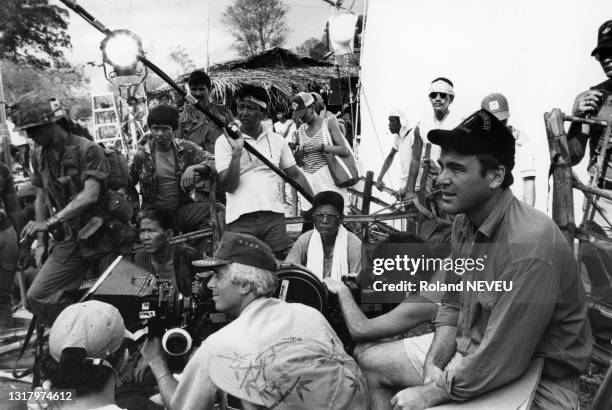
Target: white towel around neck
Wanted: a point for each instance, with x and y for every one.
(315, 255)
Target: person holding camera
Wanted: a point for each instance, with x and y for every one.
(329, 250)
(273, 354)
(72, 173)
(166, 169)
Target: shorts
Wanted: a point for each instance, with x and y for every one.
(417, 348)
(266, 225)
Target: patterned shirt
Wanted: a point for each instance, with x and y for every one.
(143, 169)
(313, 354)
(196, 127)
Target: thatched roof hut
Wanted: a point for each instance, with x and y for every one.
(281, 72)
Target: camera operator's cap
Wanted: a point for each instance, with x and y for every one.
(292, 373)
(604, 37)
(480, 133)
(241, 248)
(94, 326)
(300, 102)
(497, 104)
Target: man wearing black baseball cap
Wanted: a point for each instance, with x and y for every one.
(299, 359)
(485, 339)
(596, 102)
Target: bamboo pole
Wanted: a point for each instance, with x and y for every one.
(563, 200)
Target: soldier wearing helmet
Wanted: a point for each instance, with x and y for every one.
(71, 172)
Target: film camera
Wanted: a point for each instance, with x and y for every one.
(145, 301)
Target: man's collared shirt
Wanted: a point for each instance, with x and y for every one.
(543, 315)
(62, 174)
(186, 153)
(259, 186)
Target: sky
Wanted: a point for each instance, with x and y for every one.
(165, 24)
(536, 53)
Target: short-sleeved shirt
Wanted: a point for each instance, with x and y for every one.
(299, 253)
(62, 174)
(262, 323)
(524, 166)
(544, 314)
(286, 129)
(259, 186)
(7, 187)
(403, 144)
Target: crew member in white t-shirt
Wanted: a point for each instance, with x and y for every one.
(525, 158)
(285, 126)
(441, 96)
(403, 143)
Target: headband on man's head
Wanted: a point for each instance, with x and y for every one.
(255, 100)
(442, 85)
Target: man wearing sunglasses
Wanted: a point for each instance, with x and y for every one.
(195, 125)
(595, 103)
(441, 96)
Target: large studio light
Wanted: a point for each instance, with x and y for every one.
(122, 49)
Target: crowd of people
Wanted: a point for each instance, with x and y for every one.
(82, 210)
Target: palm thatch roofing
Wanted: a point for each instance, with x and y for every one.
(281, 72)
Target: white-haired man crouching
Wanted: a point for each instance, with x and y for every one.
(273, 354)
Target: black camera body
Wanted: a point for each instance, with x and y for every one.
(181, 321)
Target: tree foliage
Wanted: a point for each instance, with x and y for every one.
(257, 24)
(313, 48)
(181, 57)
(33, 32)
(68, 85)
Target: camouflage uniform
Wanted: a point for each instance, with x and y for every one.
(63, 178)
(190, 215)
(196, 127)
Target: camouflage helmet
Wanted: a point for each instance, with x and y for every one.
(33, 109)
